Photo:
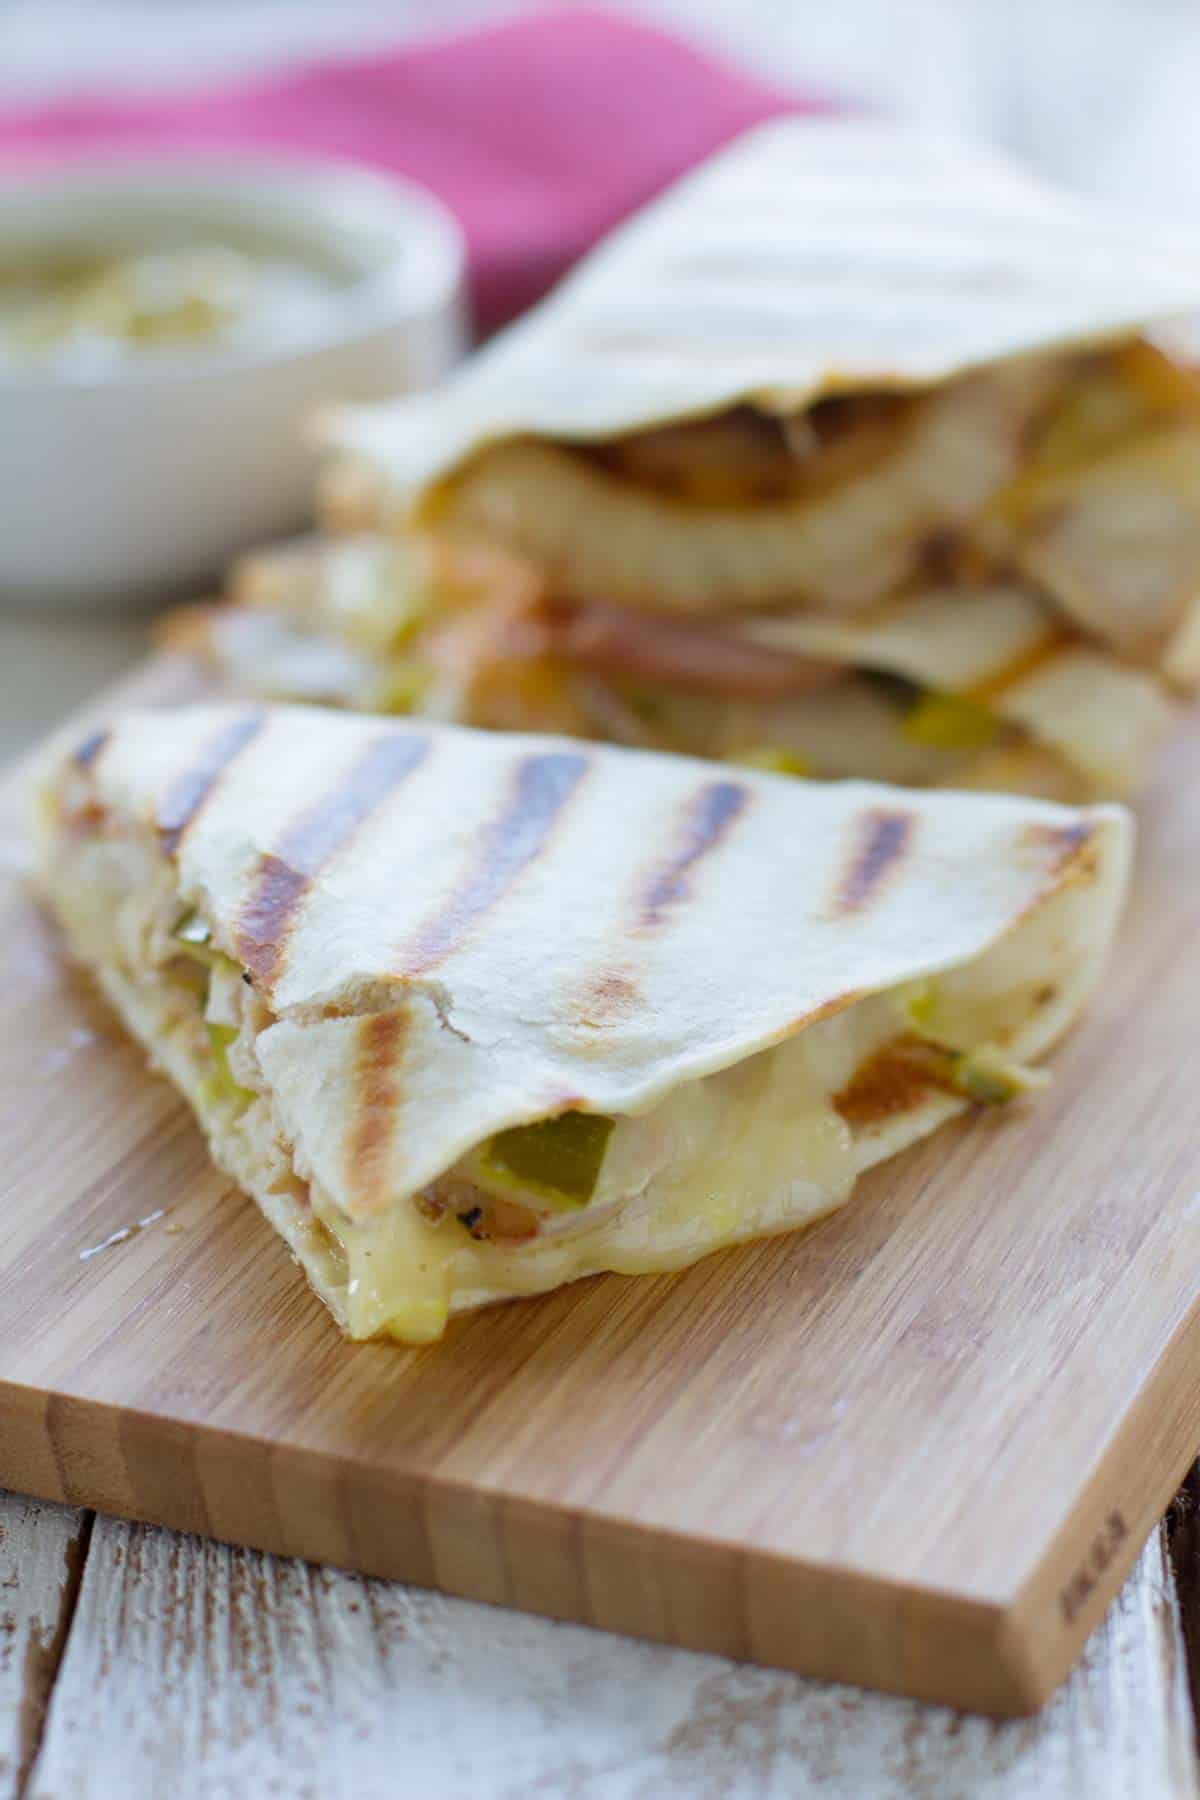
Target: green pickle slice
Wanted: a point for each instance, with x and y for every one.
(985, 1075)
(402, 686)
(557, 1160)
(950, 722)
(194, 937)
(991, 1079)
(221, 1084)
(774, 759)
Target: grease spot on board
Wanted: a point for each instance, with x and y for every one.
(74, 1041)
(806, 1428)
(123, 1234)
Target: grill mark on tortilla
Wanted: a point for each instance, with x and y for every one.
(606, 998)
(894, 1079)
(90, 748)
(884, 838)
(1027, 662)
(285, 875)
(711, 814)
(1061, 840)
(189, 791)
(1069, 849)
(377, 1060)
(611, 994)
(542, 787)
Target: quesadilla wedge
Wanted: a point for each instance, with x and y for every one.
(471, 1016)
(850, 456)
(837, 352)
(841, 401)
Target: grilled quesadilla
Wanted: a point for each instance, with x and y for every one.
(471, 1016)
(842, 403)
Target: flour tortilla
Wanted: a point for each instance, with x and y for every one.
(557, 926)
(811, 258)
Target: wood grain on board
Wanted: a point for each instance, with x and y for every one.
(199, 1671)
(917, 1447)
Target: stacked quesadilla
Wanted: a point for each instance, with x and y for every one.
(851, 456)
(472, 1016)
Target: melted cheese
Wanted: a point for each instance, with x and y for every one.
(759, 1147)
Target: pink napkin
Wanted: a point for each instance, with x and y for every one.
(539, 133)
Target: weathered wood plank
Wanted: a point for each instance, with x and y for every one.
(200, 1671)
(1182, 1533)
(41, 1555)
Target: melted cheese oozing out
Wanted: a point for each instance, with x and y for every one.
(719, 1160)
(757, 1148)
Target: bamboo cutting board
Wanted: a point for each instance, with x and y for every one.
(916, 1447)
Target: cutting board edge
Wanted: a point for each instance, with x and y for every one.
(619, 1575)
(1083, 1567)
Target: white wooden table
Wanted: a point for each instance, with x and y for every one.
(137, 1663)
(134, 1662)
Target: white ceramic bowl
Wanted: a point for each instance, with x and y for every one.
(118, 489)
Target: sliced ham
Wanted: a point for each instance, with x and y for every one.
(616, 641)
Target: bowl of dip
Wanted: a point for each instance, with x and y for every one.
(169, 328)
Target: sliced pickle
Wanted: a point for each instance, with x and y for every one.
(917, 1002)
(773, 759)
(992, 1079)
(192, 929)
(407, 607)
(948, 722)
(986, 1075)
(194, 937)
(378, 598)
(222, 1084)
(557, 1161)
(401, 686)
